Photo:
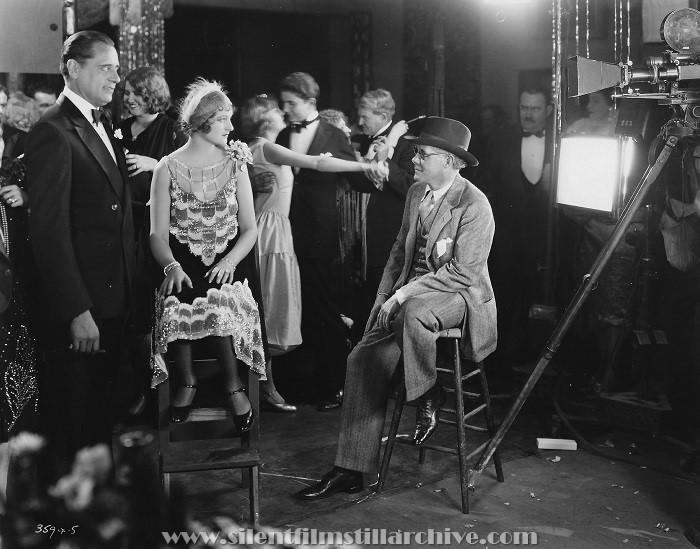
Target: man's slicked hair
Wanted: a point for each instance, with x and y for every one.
(81, 47)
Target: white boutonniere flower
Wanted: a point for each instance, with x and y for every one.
(118, 134)
(326, 154)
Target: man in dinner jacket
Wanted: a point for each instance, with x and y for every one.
(81, 232)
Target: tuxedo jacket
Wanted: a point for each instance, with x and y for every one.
(313, 212)
(457, 249)
(81, 228)
(15, 141)
(385, 207)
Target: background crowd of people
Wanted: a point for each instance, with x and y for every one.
(147, 233)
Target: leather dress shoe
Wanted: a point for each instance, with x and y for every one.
(333, 403)
(267, 403)
(427, 414)
(334, 481)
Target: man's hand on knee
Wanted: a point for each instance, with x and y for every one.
(387, 312)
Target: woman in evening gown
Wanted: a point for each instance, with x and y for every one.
(261, 122)
(202, 229)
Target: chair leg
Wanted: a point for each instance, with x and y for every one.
(461, 435)
(490, 424)
(391, 439)
(254, 494)
(166, 486)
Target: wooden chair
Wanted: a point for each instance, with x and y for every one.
(207, 441)
(454, 335)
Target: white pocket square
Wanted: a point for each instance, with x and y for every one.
(442, 246)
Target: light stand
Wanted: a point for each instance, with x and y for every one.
(589, 281)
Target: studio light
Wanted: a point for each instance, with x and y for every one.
(593, 172)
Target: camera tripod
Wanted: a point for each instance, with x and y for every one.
(588, 284)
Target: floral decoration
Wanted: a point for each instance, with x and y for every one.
(239, 152)
(12, 170)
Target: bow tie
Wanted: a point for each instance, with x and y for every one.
(98, 115)
(536, 134)
(298, 126)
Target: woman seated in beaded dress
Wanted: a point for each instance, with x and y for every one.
(202, 228)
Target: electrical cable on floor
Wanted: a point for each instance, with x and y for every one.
(609, 455)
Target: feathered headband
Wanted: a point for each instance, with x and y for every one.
(197, 91)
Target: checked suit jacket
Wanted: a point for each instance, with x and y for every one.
(457, 249)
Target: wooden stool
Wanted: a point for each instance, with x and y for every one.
(207, 440)
(455, 335)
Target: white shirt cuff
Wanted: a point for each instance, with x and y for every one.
(399, 296)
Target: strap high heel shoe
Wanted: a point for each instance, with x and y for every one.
(242, 422)
(178, 414)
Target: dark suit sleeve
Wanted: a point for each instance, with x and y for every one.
(400, 169)
(49, 174)
(357, 180)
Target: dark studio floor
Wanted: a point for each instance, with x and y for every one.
(579, 500)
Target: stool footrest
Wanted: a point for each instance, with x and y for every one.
(475, 411)
(207, 455)
(464, 377)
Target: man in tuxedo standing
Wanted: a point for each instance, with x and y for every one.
(383, 138)
(517, 183)
(314, 219)
(81, 232)
(436, 278)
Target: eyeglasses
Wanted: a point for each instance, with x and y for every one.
(420, 153)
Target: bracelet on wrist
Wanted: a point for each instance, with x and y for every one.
(170, 266)
(230, 263)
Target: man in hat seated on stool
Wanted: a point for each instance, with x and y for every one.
(436, 278)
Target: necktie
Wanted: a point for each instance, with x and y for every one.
(2, 141)
(536, 134)
(426, 206)
(298, 126)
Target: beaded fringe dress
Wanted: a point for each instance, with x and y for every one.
(201, 232)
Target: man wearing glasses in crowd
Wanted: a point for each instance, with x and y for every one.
(436, 278)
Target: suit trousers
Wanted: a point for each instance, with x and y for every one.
(77, 390)
(324, 333)
(371, 366)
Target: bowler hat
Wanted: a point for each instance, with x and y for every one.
(446, 134)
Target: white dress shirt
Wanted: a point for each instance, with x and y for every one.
(86, 109)
(532, 157)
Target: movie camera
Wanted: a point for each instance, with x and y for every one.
(673, 74)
